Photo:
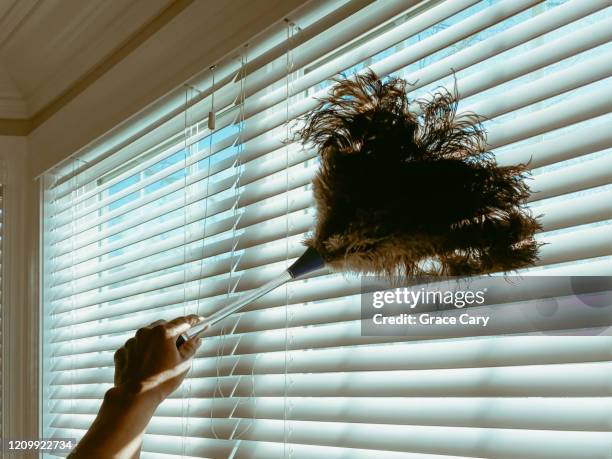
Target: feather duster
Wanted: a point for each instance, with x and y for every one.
(404, 195)
(408, 195)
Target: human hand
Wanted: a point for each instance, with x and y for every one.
(150, 363)
(148, 368)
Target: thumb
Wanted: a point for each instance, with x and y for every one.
(189, 347)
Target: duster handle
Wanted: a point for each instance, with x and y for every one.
(309, 262)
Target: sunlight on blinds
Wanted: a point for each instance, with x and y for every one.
(188, 215)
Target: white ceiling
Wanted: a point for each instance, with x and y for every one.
(46, 46)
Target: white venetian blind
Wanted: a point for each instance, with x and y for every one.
(177, 219)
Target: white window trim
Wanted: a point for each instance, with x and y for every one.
(20, 305)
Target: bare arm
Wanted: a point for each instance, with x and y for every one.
(148, 368)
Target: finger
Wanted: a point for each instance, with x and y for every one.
(189, 347)
(130, 346)
(182, 324)
(119, 357)
(141, 333)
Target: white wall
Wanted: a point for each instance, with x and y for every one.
(19, 291)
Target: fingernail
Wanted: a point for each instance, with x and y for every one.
(201, 319)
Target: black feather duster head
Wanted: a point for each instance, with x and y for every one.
(401, 194)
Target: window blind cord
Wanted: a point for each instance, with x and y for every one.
(286, 234)
(243, 85)
(217, 390)
(190, 94)
(235, 434)
(211, 128)
(53, 312)
(230, 330)
(288, 71)
(184, 426)
(73, 195)
(74, 191)
(222, 332)
(187, 388)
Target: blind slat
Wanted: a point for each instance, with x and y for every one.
(561, 147)
(245, 449)
(565, 380)
(431, 354)
(506, 443)
(516, 413)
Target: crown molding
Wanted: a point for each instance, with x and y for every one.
(13, 108)
(15, 127)
(15, 119)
